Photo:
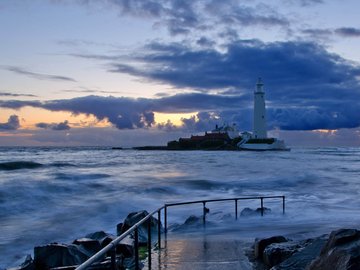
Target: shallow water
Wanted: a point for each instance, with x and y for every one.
(59, 194)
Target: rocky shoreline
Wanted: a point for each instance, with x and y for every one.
(340, 250)
(68, 256)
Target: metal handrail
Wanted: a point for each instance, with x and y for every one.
(236, 199)
(112, 245)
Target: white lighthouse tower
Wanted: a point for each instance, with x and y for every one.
(258, 141)
(259, 131)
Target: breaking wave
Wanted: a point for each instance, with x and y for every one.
(17, 165)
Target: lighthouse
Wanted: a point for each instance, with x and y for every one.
(259, 131)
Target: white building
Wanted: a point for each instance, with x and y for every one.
(259, 125)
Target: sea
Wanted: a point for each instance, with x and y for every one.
(58, 194)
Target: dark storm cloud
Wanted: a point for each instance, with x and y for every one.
(309, 88)
(38, 76)
(8, 94)
(13, 123)
(306, 87)
(54, 126)
(124, 113)
(183, 103)
(128, 113)
(348, 32)
(285, 65)
(17, 104)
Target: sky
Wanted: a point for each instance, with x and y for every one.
(135, 72)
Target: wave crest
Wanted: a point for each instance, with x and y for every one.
(17, 165)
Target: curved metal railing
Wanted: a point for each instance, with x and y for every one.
(111, 247)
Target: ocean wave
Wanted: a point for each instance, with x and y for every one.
(62, 164)
(202, 184)
(17, 165)
(65, 176)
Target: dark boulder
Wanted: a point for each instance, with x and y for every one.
(88, 246)
(303, 257)
(118, 229)
(341, 251)
(102, 237)
(261, 244)
(57, 255)
(134, 218)
(278, 252)
(126, 247)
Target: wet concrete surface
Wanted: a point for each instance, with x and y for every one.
(201, 252)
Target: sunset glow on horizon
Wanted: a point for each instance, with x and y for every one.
(177, 67)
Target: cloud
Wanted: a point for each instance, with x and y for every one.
(89, 91)
(38, 76)
(348, 32)
(306, 3)
(307, 87)
(54, 126)
(13, 123)
(234, 12)
(285, 65)
(318, 34)
(8, 94)
(184, 17)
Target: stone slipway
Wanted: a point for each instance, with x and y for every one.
(210, 252)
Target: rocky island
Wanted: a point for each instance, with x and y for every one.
(228, 137)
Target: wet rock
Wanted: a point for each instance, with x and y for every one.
(302, 258)
(118, 229)
(341, 251)
(88, 246)
(102, 237)
(57, 255)
(134, 218)
(261, 244)
(276, 253)
(126, 247)
(246, 212)
(28, 264)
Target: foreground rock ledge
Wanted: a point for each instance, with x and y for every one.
(338, 251)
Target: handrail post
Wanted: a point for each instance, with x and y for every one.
(204, 213)
(159, 229)
(136, 248)
(283, 198)
(113, 258)
(165, 219)
(149, 242)
(236, 209)
(262, 206)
